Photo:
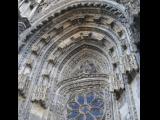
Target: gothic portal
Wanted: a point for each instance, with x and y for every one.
(78, 60)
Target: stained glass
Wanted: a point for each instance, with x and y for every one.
(80, 99)
(90, 97)
(87, 106)
(80, 117)
(73, 114)
(96, 112)
(74, 105)
(97, 103)
(89, 117)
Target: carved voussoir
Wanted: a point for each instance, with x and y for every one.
(23, 84)
(40, 96)
(52, 60)
(45, 74)
(35, 49)
(132, 63)
(45, 38)
(29, 63)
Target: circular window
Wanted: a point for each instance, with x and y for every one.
(89, 106)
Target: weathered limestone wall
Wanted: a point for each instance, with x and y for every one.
(135, 85)
(123, 107)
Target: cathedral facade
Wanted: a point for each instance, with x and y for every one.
(78, 60)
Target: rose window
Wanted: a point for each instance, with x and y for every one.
(85, 107)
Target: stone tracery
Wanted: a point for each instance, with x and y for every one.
(86, 106)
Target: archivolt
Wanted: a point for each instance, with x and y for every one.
(54, 50)
(56, 31)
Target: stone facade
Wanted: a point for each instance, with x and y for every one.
(78, 60)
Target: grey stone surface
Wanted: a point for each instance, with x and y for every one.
(72, 47)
